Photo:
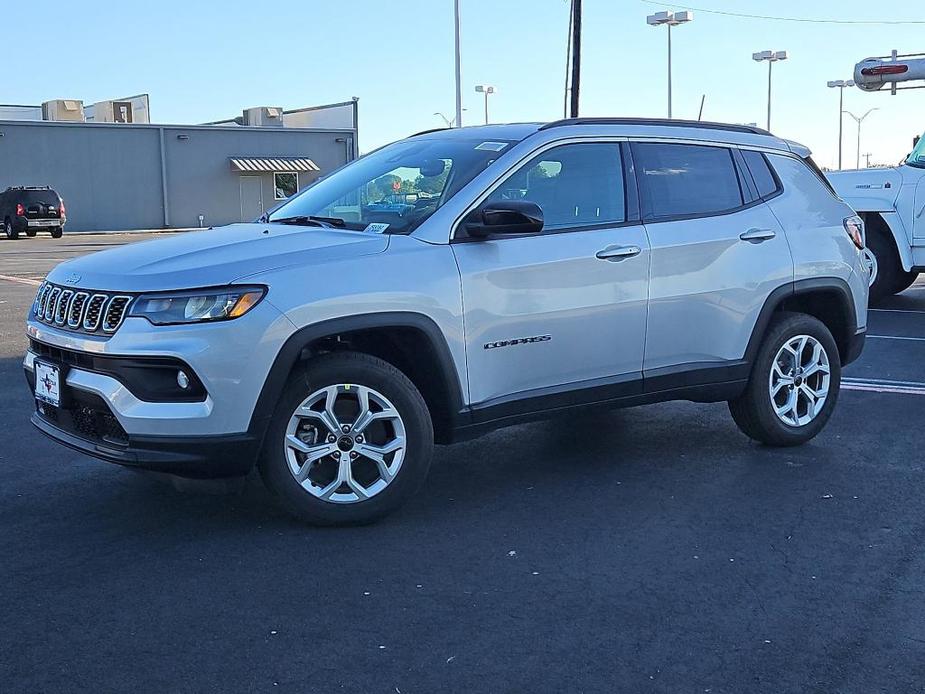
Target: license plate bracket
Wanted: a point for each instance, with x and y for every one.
(48, 382)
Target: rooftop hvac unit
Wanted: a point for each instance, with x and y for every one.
(71, 110)
(112, 112)
(264, 116)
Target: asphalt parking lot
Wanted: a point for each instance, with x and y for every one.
(653, 549)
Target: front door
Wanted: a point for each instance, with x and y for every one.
(717, 253)
(564, 310)
(251, 198)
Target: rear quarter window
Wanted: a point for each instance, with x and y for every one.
(761, 172)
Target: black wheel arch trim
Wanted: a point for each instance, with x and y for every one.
(803, 287)
(291, 351)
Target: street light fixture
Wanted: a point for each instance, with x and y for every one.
(772, 57)
(840, 85)
(860, 120)
(486, 90)
(669, 19)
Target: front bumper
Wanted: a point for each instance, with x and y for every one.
(200, 457)
(106, 411)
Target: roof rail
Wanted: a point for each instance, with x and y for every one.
(431, 130)
(671, 122)
(29, 188)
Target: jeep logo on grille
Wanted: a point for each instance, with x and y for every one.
(73, 278)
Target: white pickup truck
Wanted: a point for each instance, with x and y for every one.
(892, 203)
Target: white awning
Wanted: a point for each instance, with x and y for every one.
(273, 164)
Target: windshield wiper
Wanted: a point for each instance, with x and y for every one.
(310, 221)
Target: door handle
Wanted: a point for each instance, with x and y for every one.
(757, 235)
(617, 253)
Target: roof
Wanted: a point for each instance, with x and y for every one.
(273, 164)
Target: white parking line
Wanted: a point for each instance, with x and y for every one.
(896, 310)
(875, 388)
(21, 280)
(896, 337)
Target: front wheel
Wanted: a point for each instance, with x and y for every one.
(793, 385)
(350, 441)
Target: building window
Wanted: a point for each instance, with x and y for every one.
(285, 185)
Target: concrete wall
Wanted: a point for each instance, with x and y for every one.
(111, 176)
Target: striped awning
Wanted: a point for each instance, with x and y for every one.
(273, 164)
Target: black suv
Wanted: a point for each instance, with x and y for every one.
(30, 208)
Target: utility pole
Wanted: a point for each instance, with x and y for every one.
(576, 57)
(458, 118)
(867, 156)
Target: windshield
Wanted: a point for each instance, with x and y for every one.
(393, 189)
(917, 155)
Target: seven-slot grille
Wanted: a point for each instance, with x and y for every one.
(73, 309)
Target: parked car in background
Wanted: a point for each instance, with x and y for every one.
(575, 266)
(30, 209)
(891, 201)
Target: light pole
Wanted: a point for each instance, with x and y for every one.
(840, 84)
(670, 19)
(459, 107)
(860, 120)
(486, 90)
(772, 57)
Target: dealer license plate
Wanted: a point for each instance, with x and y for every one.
(48, 383)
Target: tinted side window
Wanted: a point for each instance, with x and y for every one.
(575, 185)
(761, 173)
(686, 180)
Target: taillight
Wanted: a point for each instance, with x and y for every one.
(855, 227)
(897, 69)
(62, 211)
(20, 210)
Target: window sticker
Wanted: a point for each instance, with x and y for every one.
(376, 227)
(492, 146)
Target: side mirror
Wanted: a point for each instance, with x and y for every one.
(505, 217)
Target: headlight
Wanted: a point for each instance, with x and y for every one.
(197, 306)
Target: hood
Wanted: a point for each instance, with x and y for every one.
(213, 257)
(867, 190)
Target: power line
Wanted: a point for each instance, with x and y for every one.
(804, 20)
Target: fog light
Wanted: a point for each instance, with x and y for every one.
(182, 380)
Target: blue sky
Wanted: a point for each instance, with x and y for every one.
(207, 60)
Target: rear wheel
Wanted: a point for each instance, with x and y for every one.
(56, 232)
(794, 383)
(8, 229)
(350, 441)
(31, 233)
(890, 278)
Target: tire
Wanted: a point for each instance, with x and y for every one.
(891, 278)
(56, 232)
(31, 233)
(10, 232)
(347, 375)
(754, 412)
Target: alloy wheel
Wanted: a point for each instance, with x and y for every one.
(345, 443)
(799, 380)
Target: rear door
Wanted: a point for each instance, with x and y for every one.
(565, 310)
(717, 253)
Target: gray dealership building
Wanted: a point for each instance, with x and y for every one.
(130, 175)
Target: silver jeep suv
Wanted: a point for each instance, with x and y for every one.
(453, 282)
